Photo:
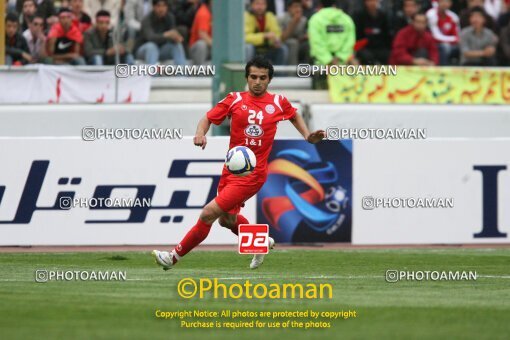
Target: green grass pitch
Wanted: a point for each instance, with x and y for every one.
(404, 310)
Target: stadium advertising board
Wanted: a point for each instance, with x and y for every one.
(431, 192)
(54, 191)
(425, 85)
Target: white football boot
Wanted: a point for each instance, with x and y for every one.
(163, 258)
(258, 259)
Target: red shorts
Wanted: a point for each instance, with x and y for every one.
(232, 194)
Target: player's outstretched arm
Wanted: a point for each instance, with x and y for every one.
(203, 126)
(300, 125)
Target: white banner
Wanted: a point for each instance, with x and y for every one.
(396, 182)
(66, 84)
(175, 175)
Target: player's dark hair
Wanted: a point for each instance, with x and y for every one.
(328, 3)
(259, 62)
(477, 9)
(102, 13)
(292, 2)
(12, 17)
(64, 10)
(31, 18)
(418, 14)
(155, 2)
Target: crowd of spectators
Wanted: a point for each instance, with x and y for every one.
(289, 32)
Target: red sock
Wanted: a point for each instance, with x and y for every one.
(192, 239)
(240, 220)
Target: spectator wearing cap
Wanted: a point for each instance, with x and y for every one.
(263, 34)
(477, 43)
(16, 48)
(200, 41)
(80, 19)
(36, 40)
(64, 40)
(413, 45)
(294, 34)
(159, 39)
(99, 46)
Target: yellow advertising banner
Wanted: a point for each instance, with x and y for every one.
(424, 85)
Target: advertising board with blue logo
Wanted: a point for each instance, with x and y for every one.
(307, 195)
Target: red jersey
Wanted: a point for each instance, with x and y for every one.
(202, 22)
(444, 28)
(253, 124)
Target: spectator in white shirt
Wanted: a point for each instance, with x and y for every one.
(493, 8)
(91, 7)
(36, 40)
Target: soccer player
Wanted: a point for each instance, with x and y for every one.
(261, 111)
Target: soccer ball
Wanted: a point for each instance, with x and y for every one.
(240, 161)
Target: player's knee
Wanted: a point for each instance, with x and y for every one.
(226, 223)
(209, 215)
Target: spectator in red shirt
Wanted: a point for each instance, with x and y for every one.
(200, 40)
(64, 40)
(445, 28)
(413, 45)
(80, 19)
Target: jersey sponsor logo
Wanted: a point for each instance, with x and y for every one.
(270, 109)
(253, 130)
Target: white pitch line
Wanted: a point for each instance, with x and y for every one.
(341, 277)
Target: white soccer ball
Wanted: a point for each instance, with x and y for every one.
(240, 161)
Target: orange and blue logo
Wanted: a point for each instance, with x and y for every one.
(306, 197)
